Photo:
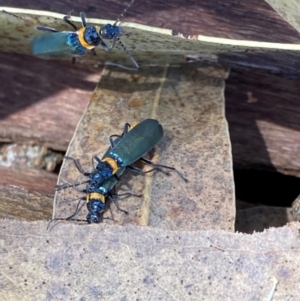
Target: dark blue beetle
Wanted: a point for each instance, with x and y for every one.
(59, 44)
(96, 199)
(96, 195)
(124, 151)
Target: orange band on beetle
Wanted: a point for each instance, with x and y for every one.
(95, 195)
(82, 40)
(133, 125)
(113, 164)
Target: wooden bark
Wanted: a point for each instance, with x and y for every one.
(20, 204)
(29, 178)
(263, 114)
(42, 101)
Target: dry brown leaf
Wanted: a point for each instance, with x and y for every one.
(189, 103)
(102, 262)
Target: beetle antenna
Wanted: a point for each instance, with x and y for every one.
(129, 55)
(123, 12)
(78, 209)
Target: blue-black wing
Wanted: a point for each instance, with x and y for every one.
(56, 45)
(137, 142)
